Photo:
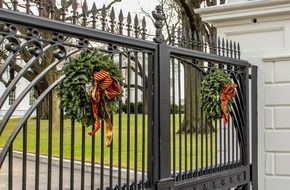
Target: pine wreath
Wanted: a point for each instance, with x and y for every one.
(77, 89)
(217, 91)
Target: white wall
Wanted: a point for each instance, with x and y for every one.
(277, 123)
(265, 43)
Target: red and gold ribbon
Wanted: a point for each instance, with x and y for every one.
(227, 93)
(105, 87)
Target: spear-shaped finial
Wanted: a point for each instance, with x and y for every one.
(94, 9)
(85, 8)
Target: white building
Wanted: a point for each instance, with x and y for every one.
(24, 104)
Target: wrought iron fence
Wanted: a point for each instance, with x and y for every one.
(161, 139)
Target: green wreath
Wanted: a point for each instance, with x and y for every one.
(79, 72)
(211, 88)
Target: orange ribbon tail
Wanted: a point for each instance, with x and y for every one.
(227, 93)
(106, 87)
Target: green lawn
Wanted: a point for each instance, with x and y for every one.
(78, 133)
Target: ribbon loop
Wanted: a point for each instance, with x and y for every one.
(105, 87)
(227, 93)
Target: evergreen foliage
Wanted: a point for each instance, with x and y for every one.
(211, 87)
(79, 72)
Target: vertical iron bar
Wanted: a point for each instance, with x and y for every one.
(15, 5)
(173, 119)
(37, 147)
(190, 120)
(24, 156)
(120, 132)
(112, 16)
(143, 118)
(218, 46)
(229, 141)
(231, 49)
(225, 145)
(211, 146)
(233, 144)
(136, 119)
(220, 135)
(93, 161)
(201, 139)
(40, 8)
(111, 158)
(206, 143)
(74, 7)
(128, 116)
(185, 124)
(202, 125)
(63, 10)
(216, 143)
(27, 6)
(223, 47)
(102, 156)
(49, 141)
(179, 118)
(61, 150)
(83, 158)
(10, 168)
(239, 51)
(72, 154)
(196, 125)
(237, 148)
(227, 47)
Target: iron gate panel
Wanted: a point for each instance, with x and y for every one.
(157, 156)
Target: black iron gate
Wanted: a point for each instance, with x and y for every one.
(161, 137)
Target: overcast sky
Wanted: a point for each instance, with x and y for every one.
(133, 6)
(129, 5)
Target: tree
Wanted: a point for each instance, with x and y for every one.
(48, 9)
(192, 21)
(181, 17)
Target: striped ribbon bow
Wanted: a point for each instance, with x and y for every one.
(105, 87)
(227, 93)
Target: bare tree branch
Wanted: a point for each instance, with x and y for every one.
(28, 75)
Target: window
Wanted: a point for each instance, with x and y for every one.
(31, 97)
(11, 99)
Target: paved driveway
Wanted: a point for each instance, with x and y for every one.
(17, 174)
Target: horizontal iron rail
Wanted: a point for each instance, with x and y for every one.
(70, 29)
(206, 56)
(221, 180)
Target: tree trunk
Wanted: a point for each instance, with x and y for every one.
(194, 118)
(47, 80)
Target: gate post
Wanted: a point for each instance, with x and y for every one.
(159, 139)
(165, 181)
(254, 168)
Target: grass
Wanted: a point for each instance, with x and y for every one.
(31, 142)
